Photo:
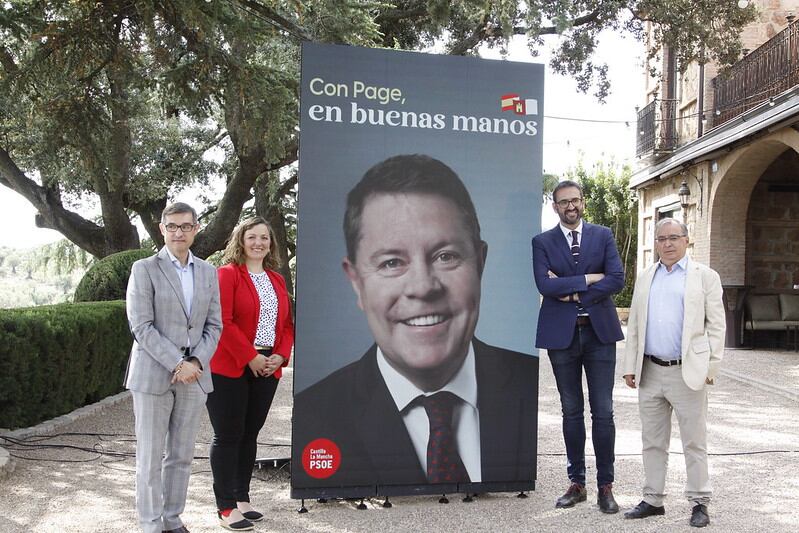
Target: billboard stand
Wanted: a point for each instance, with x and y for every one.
(387, 504)
(302, 509)
(522, 494)
(272, 462)
(414, 372)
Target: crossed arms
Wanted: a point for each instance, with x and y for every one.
(585, 288)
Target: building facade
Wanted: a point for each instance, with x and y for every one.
(720, 151)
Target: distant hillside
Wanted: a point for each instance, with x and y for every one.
(40, 276)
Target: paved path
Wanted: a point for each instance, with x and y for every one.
(753, 421)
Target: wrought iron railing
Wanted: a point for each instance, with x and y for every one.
(657, 132)
(767, 71)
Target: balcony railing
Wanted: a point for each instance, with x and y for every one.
(656, 127)
(767, 71)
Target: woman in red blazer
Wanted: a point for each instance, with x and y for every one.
(257, 337)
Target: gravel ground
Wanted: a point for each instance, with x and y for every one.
(62, 489)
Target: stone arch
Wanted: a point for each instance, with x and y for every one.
(729, 201)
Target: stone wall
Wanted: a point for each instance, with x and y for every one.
(771, 20)
(655, 202)
(773, 226)
(748, 234)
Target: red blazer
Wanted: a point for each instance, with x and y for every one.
(240, 311)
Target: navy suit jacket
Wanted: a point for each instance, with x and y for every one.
(598, 254)
(354, 408)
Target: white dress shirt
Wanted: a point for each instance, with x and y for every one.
(568, 233)
(465, 420)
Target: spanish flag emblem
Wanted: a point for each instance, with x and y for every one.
(508, 102)
(512, 102)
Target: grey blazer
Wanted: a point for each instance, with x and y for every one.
(161, 327)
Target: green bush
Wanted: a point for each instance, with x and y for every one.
(107, 279)
(56, 358)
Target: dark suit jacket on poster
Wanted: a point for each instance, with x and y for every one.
(598, 254)
(353, 408)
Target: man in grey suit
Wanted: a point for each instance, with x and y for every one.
(174, 315)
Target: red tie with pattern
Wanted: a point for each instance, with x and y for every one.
(444, 464)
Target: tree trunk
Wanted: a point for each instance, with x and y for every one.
(269, 208)
(120, 234)
(150, 216)
(213, 237)
(51, 213)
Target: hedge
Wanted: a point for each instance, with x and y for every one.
(107, 279)
(56, 358)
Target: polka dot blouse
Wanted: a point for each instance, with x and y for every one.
(267, 320)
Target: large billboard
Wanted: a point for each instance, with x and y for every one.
(420, 188)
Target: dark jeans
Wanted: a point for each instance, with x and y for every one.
(237, 408)
(599, 360)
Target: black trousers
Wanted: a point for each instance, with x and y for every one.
(237, 408)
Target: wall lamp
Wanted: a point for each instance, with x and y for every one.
(685, 193)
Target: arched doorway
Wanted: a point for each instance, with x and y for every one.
(772, 229)
(732, 189)
(753, 232)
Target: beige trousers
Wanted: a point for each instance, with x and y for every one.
(661, 391)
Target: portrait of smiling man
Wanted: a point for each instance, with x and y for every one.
(428, 405)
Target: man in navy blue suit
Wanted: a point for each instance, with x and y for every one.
(577, 269)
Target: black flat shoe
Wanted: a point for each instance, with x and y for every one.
(699, 516)
(235, 521)
(643, 509)
(248, 512)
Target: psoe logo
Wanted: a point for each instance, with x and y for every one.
(512, 102)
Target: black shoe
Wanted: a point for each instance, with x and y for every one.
(643, 509)
(253, 516)
(606, 501)
(248, 512)
(576, 493)
(699, 516)
(234, 521)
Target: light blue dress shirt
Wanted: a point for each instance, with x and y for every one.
(186, 276)
(665, 312)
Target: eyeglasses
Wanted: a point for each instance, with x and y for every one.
(185, 228)
(671, 238)
(563, 204)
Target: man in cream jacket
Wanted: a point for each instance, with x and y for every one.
(675, 342)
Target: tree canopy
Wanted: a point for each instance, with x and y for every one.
(123, 104)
